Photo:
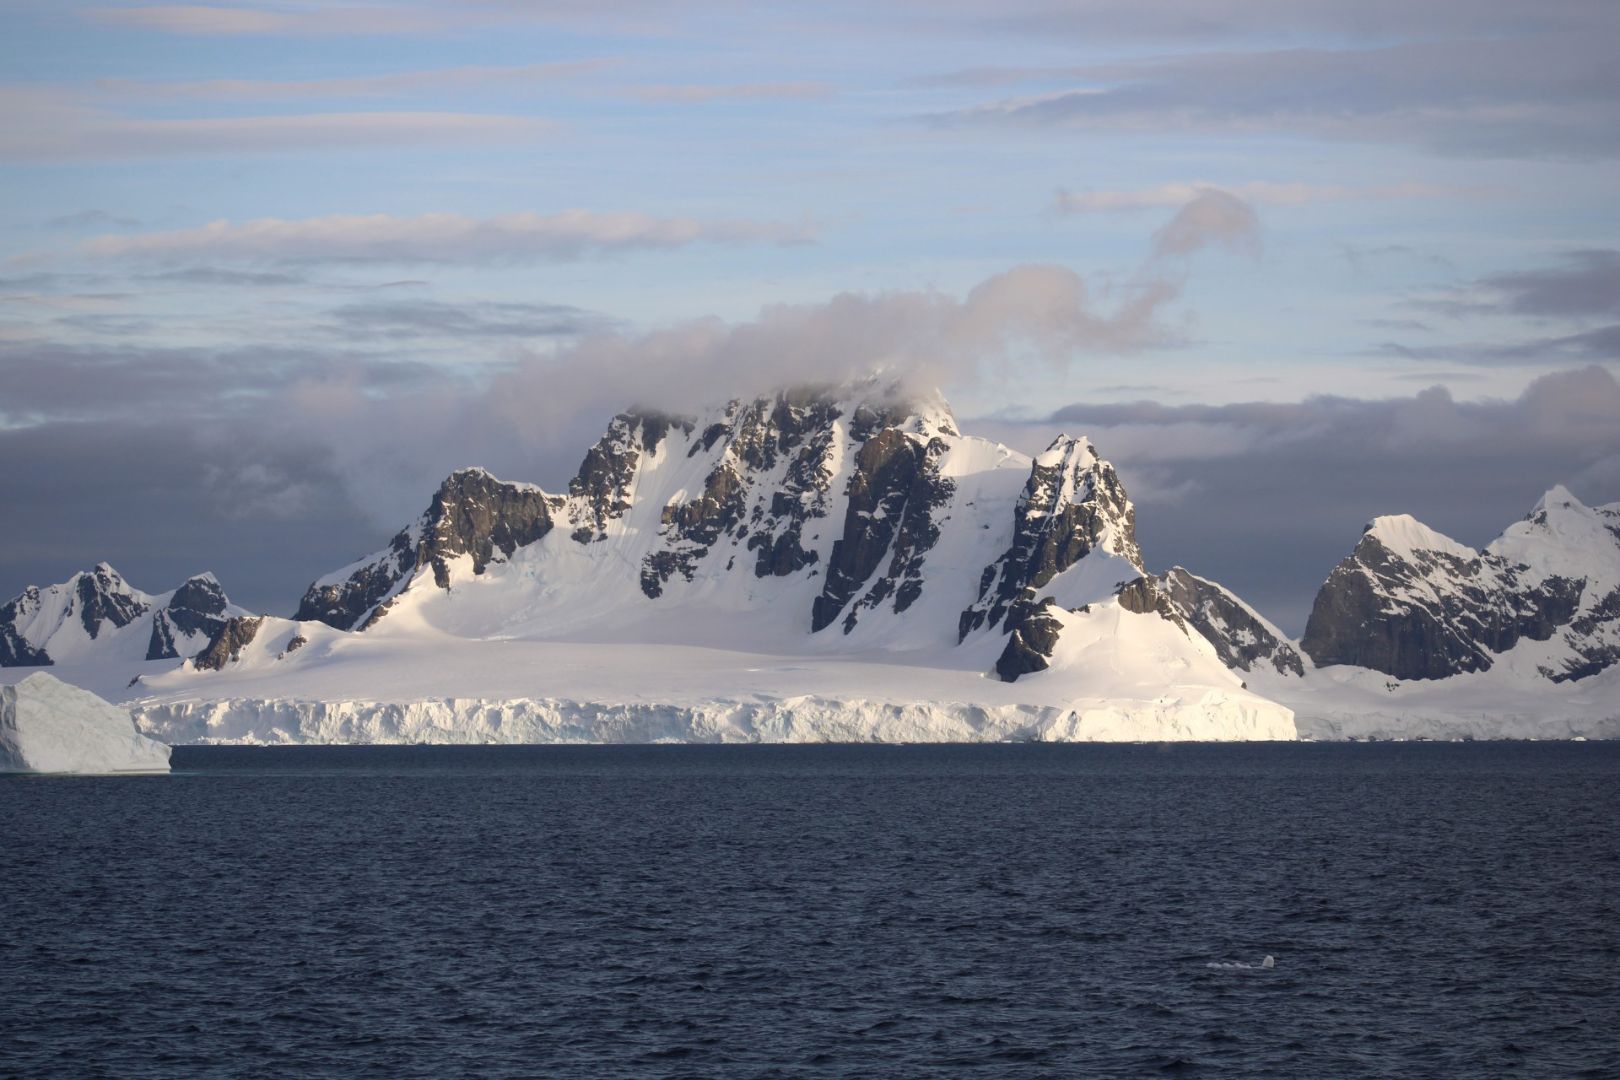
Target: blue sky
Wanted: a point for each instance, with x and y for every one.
(299, 259)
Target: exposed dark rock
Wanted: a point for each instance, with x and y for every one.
(472, 513)
(916, 536)
(606, 477)
(1593, 639)
(102, 596)
(1241, 640)
(14, 649)
(1430, 615)
(692, 528)
(1072, 500)
(161, 645)
(227, 644)
(893, 472)
(197, 607)
(1030, 645)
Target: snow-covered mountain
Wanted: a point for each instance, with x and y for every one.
(98, 620)
(1415, 634)
(1415, 604)
(814, 564)
(846, 564)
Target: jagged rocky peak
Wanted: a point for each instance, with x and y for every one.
(1072, 504)
(772, 461)
(197, 607)
(472, 514)
(1415, 604)
(75, 620)
(103, 596)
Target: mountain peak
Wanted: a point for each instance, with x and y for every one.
(1405, 536)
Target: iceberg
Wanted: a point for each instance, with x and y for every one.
(48, 726)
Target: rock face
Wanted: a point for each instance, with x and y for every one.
(894, 493)
(766, 473)
(1242, 638)
(228, 642)
(47, 726)
(472, 513)
(1073, 504)
(1414, 604)
(197, 608)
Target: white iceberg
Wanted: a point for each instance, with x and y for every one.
(48, 726)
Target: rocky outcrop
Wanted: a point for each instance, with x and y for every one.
(1073, 504)
(227, 644)
(472, 514)
(197, 608)
(1242, 639)
(602, 489)
(892, 494)
(104, 597)
(1031, 644)
(15, 651)
(1414, 604)
(690, 529)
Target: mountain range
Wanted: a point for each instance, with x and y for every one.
(846, 564)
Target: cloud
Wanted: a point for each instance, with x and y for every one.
(1266, 497)
(1254, 192)
(1585, 283)
(444, 237)
(266, 515)
(1580, 289)
(220, 21)
(43, 125)
(1545, 96)
(702, 93)
(316, 18)
(91, 219)
(393, 85)
(216, 276)
(418, 319)
(1556, 350)
(1197, 21)
(1212, 218)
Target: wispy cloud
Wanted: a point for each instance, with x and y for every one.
(702, 93)
(431, 238)
(1262, 192)
(1212, 218)
(1578, 297)
(46, 125)
(392, 85)
(430, 319)
(1550, 96)
(222, 21)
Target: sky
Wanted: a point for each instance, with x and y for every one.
(269, 271)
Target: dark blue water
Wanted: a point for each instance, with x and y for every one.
(1435, 910)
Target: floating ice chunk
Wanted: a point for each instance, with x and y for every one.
(47, 726)
(1237, 965)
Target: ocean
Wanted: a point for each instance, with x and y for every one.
(898, 911)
